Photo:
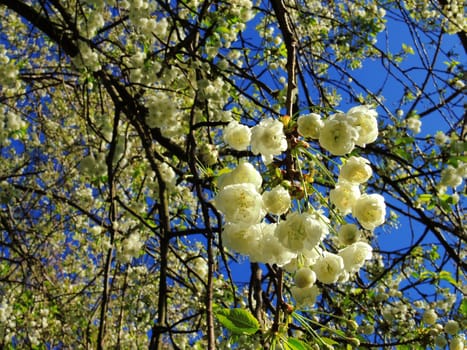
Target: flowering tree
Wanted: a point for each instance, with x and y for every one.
(209, 174)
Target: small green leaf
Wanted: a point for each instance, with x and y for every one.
(408, 49)
(223, 30)
(328, 341)
(425, 197)
(295, 344)
(238, 321)
(446, 276)
(463, 307)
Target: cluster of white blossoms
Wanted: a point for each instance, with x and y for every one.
(414, 124)
(131, 247)
(294, 240)
(163, 113)
(368, 209)
(267, 138)
(452, 176)
(341, 132)
(10, 124)
(8, 70)
(244, 209)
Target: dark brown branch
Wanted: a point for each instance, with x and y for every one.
(285, 26)
(43, 24)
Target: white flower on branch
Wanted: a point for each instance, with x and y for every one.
(356, 170)
(243, 173)
(304, 277)
(344, 196)
(309, 125)
(301, 231)
(355, 255)
(450, 177)
(243, 239)
(237, 136)
(132, 247)
(338, 136)
(370, 210)
(364, 120)
(429, 316)
(305, 296)
(277, 201)
(240, 203)
(451, 327)
(270, 250)
(348, 234)
(329, 268)
(268, 139)
(414, 124)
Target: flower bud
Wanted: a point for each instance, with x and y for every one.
(304, 277)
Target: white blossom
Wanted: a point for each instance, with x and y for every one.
(13, 121)
(277, 201)
(304, 277)
(462, 170)
(451, 327)
(240, 203)
(301, 231)
(328, 268)
(344, 196)
(200, 267)
(441, 138)
(356, 170)
(450, 177)
(209, 154)
(355, 255)
(348, 234)
(131, 246)
(163, 113)
(363, 118)
(305, 296)
(243, 173)
(243, 239)
(441, 341)
(414, 124)
(338, 136)
(305, 258)
(370, 210)
(270, 250)
(268, 139)
(457, 343)
(168, 175)
(430, 316)
(237, 136)
(309, 125)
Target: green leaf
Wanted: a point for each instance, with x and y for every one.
(222, 30)
(425, 197)
(238, 321)
(463, 307)
(404, 140)
(295, 344)
(328, 341)
(408, 49)
(446, 276)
